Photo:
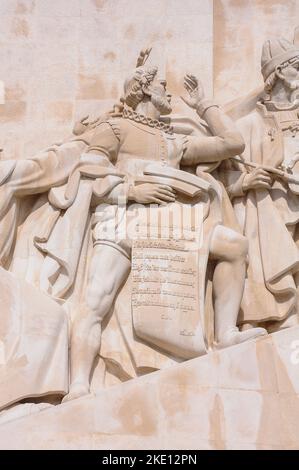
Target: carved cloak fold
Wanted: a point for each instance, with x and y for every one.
(268, 219)
(46, 240)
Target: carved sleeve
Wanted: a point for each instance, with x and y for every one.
(225, 143)
(233, 181)
(106, 140)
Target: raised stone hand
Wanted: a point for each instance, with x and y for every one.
(195, 91)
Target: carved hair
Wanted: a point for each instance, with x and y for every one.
(270, 82)
(135, 85)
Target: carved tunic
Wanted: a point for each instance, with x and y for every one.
(131, 146)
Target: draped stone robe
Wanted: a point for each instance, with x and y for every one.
(268, 218)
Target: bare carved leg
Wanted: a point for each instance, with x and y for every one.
(108, 270)
(230, 250)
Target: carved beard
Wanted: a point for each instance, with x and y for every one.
(293, 86)
(161, 103)
(295, 92)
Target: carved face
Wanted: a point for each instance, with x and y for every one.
(160, 98)
(290, 77)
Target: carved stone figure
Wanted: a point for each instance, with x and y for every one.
(264, 192)
(58, 207)
(34, 333)
(131, 143)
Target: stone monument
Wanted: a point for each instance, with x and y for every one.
(149, 272)
(263, 187)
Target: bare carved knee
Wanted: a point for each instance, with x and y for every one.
(239, 247)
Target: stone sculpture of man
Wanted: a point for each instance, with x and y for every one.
(130, 143)
(268, 208)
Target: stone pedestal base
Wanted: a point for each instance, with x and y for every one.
(243, 397)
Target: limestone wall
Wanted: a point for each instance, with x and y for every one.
(61, 59)
(240, 28)
(66, 58)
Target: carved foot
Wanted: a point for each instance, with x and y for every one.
(234, 336)
(76, 391)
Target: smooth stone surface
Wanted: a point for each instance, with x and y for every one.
(33, 346)
(61, 62)
(181, 407)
